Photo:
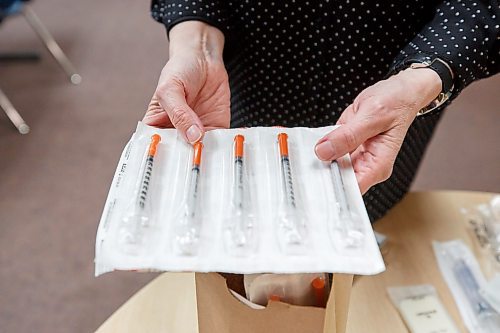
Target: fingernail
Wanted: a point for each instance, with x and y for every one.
(324, 150)
(193, 134)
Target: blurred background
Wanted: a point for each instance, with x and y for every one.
(54, 180)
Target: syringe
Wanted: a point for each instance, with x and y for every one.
(470, 287)
(349, 222)
(239, 141)
(138, 215)
(240, 222)
(290, 217)
(487, 318)
(188, 228)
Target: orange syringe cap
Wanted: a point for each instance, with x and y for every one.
(198, 147)
(238, 145)
(283, 144)
(155, 140)
(318, 285)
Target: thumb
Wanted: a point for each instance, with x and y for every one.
(349, 136)
(172, 99)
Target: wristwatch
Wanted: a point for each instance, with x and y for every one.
(422, 60)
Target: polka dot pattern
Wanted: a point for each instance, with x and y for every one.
(466, 35)
(301, 63)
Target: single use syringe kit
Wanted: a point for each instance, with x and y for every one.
(245, 200)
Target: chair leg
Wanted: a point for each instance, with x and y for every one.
(51, 45)
(13, 115)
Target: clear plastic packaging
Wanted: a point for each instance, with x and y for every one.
(291, 222)
(348, 228)
(250, 205)
(484, 226)
(465, 280)
(421, 309)
(240, 222)
(187, 233)
(138, 216)
(491, 223)
(491, 292)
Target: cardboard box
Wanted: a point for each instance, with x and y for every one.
(202, 303)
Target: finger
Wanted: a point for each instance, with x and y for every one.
(360, 124)
(172, 98)
(345, 139)
(156, 115)
(373, 163)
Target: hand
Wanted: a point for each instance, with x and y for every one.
(375, 124)
(193, 90)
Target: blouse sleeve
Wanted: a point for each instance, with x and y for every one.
(465, 34)
(172, 12)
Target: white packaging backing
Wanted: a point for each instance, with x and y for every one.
(253, 203)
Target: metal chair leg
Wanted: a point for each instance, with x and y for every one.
(13, 115)
(51, 45)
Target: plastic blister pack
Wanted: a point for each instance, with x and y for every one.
(484, 220)
(240, 221)
(291, 216)
(348, 229)
(189, 219)
(465, 280)
(491, 292)
(484, 226)
(137, 217)
(243, 200)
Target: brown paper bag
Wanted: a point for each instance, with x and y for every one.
(201, 303)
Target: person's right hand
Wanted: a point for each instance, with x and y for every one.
(193, 90)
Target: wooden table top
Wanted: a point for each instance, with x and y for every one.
(411, 227)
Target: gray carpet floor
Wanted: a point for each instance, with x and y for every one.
(53, 182)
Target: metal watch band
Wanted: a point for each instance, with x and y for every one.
(440, 67)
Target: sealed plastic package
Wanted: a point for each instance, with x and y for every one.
(422, 309)
(463, 275)
(248, 200)
(484, 226)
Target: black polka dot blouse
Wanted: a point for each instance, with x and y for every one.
(301, 63)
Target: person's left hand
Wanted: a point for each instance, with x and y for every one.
(375, 124)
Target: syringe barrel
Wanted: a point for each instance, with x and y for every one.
(339, 191)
